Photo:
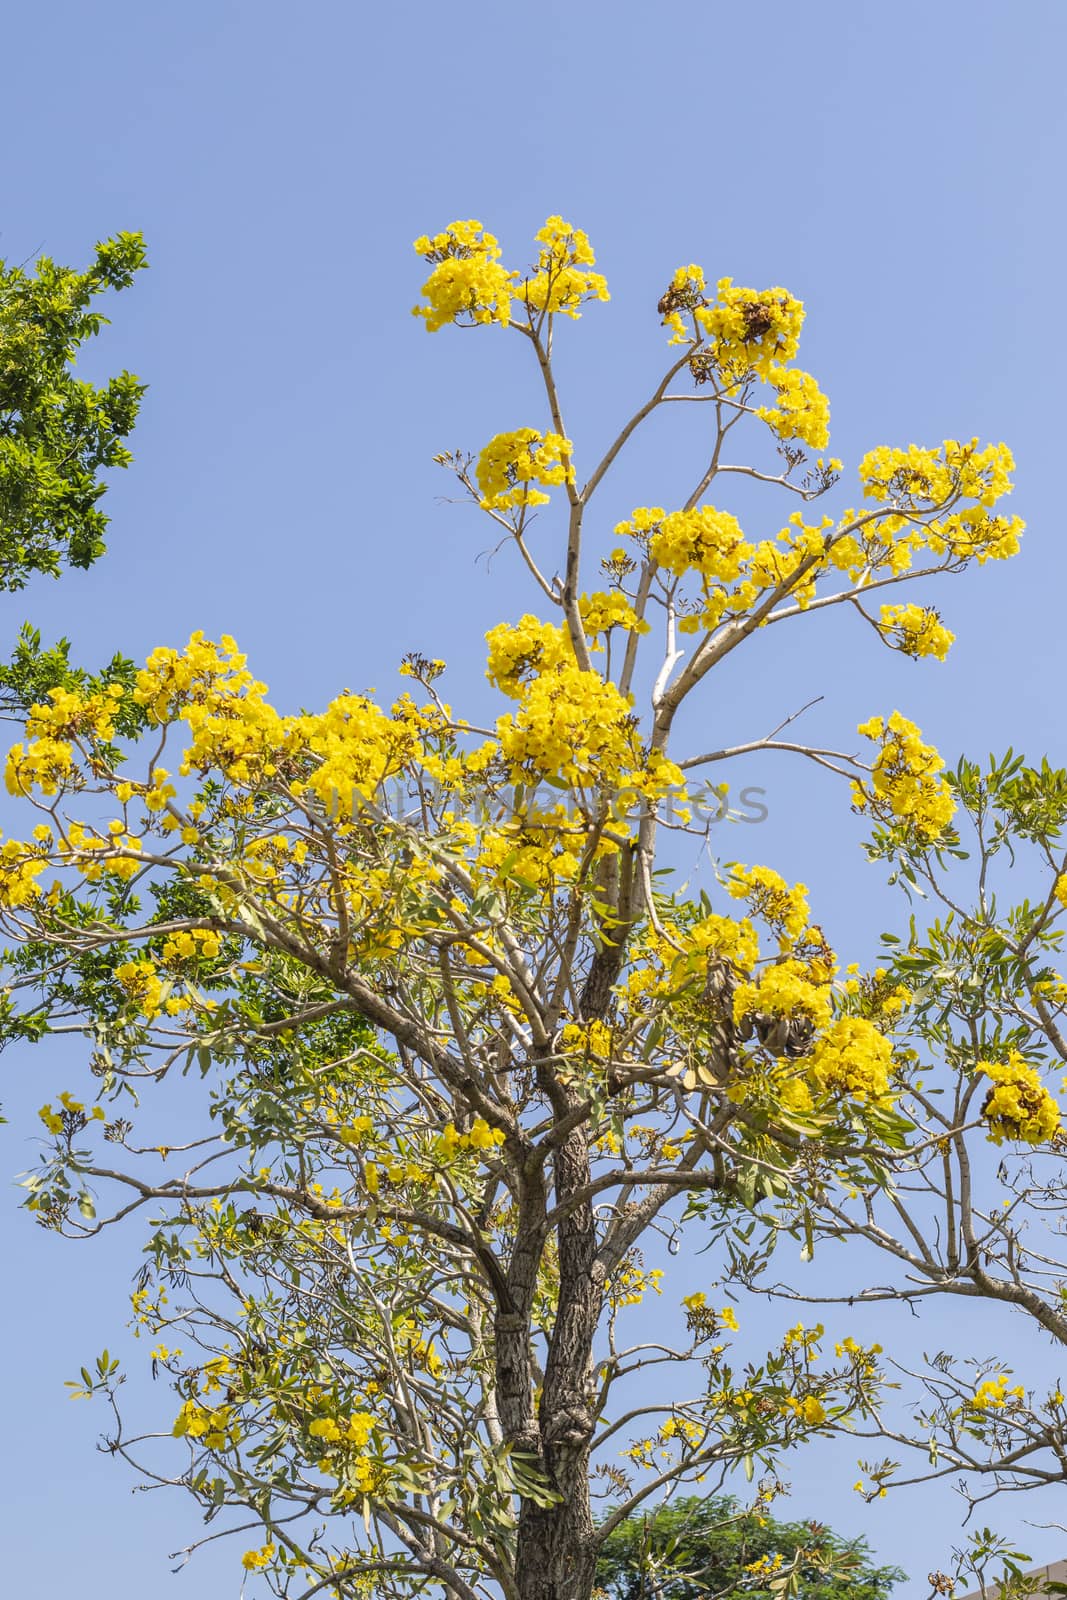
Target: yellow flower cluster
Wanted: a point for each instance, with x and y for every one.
(467, 282)
(805, 1339)
(214, 1425)
(239, 734)
(204, 672)
(587, 1039)
(1018, 1106)
(731, 938)
(711, 542)
(21, 864)
(917, 476)
(703, 540)
(770, 897)
(358, 1131)
(358, 745)
(71, 715)
(885, 545)
(751, 329)
(600, 612)
(574, 726)
(562, 281)
(142, 986)
(974, 535)
(535, 849)
(53, 1120)
(905, 781)
(630, 1282)
(677, 1432)
(356, 1429)
(47, 765)
(469, 286)
(191, 944)
(116, 854)
(479, 1136)
(852, 1057)
(683, 1428)
(512, 463)
(749, 332)
(256, 1560)
(350, 749)
(923, 481)
(684, 293)
(784, 990)
(802, 410)
(995, 1395)
(790, 1092)
(864, 1357)
(915, 630)
(878, 996)
(810, 1410)
(344, 1440)
(267, 858)
(519, 652)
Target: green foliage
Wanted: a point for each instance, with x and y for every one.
(695, 1549)
(33, 671)
(58, 433)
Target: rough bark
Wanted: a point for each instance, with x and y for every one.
(555, 1557)
(555, 1553)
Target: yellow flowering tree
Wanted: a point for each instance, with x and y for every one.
(465, 1061)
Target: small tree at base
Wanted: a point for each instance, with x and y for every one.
(700, 1549)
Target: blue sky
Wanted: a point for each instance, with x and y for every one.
(899, 167)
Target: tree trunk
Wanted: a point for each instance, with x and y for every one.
(555, 1557)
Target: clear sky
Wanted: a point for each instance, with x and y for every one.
(898, 166)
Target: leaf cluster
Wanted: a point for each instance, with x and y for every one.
(694, 1549)
(59, 433)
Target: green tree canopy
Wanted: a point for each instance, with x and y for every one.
(58, 433)
(695, 1548)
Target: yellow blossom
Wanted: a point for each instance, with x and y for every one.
(512, 463)
(521, 651)
(802, 410)
(1018, 1106)
(852, 1057)
(20, 866)
(905, 781)
(916, 631)
(467, 284)
(256, 1560)
(561, 281)
(142, 985)
(995, 1395)
(751, 329)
